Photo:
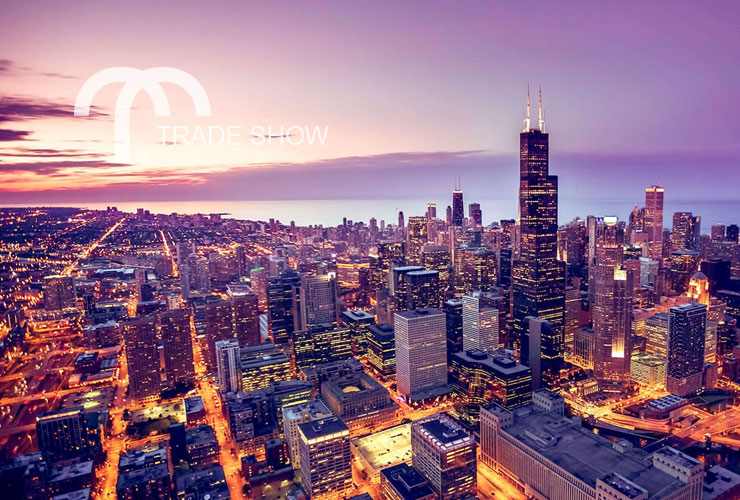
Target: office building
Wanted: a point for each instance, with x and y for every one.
(480, 323)
(282, 298)
(458, 207)
(444, 453)
(62, 434)
(263, 364)
(613, 304)
(653, 221)
(228, 365)
(358, 322)
(360, 401)
(142, 357)
(201, 446)
(59, 292)
(648, 370)
(319, 304)
(326, 462)
(384, 256)
(687, 327)
(322, 344)
(550, 456)
(475, 214)
(480, 378)
(416, 239)
(421, 352)
(219, 326)
(437, 258)
(538, 284)
(148, 483)
(583, 348)
(453, 309)
(381, 352)
(177, 346)
(298, 414)
(686, 231)
(684, 264)
(656, 335)
(246, 314)
(403, 482)
(208, 483)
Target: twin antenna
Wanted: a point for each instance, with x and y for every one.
(458, 183)
(540, 117)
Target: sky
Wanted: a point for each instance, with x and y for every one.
(409, 94)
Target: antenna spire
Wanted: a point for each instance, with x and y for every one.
(540, 120)
(527, 120)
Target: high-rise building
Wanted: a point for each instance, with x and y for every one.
(177, 346)
(59, 292)
(437, 258)
(479, 269)
(282, 297)
(319, 304)
(684, 263)
(718, 232)
(453, 309)
(538, 282)
(423, 289)
(384, 256)
(444, 453)
(321, 344)
(296, 414)
(359, 323)
(686, 231)
(699, 288)
(416, 239)
(421, 352)
(479, 378)
(732, 233)
(475, 214)
(480, 323)
(458, 208)
(219, 326)
(62, 434)
(653, 221)
(325, 458)
(228, 365)
(613, 304)
(656, 335)
(142, 357)
(718, 272)
(381, 351)
(246, 314)
(686, 344)
(263, 364)
(572, 310)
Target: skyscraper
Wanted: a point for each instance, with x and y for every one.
(177, 346)
(686, 231)
(475, 214)
(421, 352)
(653, 221)
(228, 365)
(686, 338)
(246, 314)
(538, 285)
(479, 323)
(282, 294)
(444, 453)
(219, 326)
(612, 306)
(458, 208)
(416, 239)
(325, 458)
(319, 304)
(142, 357)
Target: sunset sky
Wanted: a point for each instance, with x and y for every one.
(412, 93)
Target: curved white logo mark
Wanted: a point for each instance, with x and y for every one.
(134, 80)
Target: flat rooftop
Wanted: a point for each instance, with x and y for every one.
(584, 454)
(323, 427)
(445, 431)
(419, 313)
(407, 481)
(386, 448)
(718, 482)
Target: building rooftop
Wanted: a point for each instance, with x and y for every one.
(141, 476)
(200, 436)
(622, 485)
(496, 361)
(357, 315)
(407, 481)
(445, 432)
(419, 313)
(138, 459)
(71, 471)
(678, 457)
(314, 408)
(82, 494)
(323, 427)
(582, 453)
(386, 448)
(194, 405)
(718, 482)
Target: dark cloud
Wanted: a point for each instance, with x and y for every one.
(52, 168)
(10, 67)
(48, 153)
(14, 135)
(17, 108)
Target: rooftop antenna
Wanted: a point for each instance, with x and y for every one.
(527, 120)
(540, 119)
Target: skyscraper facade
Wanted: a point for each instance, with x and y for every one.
(325, 458)
(686, 343)
(458, 208)
(479, 323)
(421, 352)
(612, 306)
(177, 346)
(219, 326)
(228, 365)
(686, 231)
(319, 304)
(538, 285)
(62, 434)
(653, 221)
(246, 314)
(142, 357)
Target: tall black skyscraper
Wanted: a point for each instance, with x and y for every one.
(538, 283)
(458, 209)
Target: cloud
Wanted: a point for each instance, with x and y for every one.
(48, 153)
(54, 167)
(14, 135)
(10, 68)
(18, 108)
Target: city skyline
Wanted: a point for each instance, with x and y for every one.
(650, 114)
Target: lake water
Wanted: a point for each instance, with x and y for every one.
(331, 212)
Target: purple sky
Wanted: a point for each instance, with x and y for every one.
(413, 93)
